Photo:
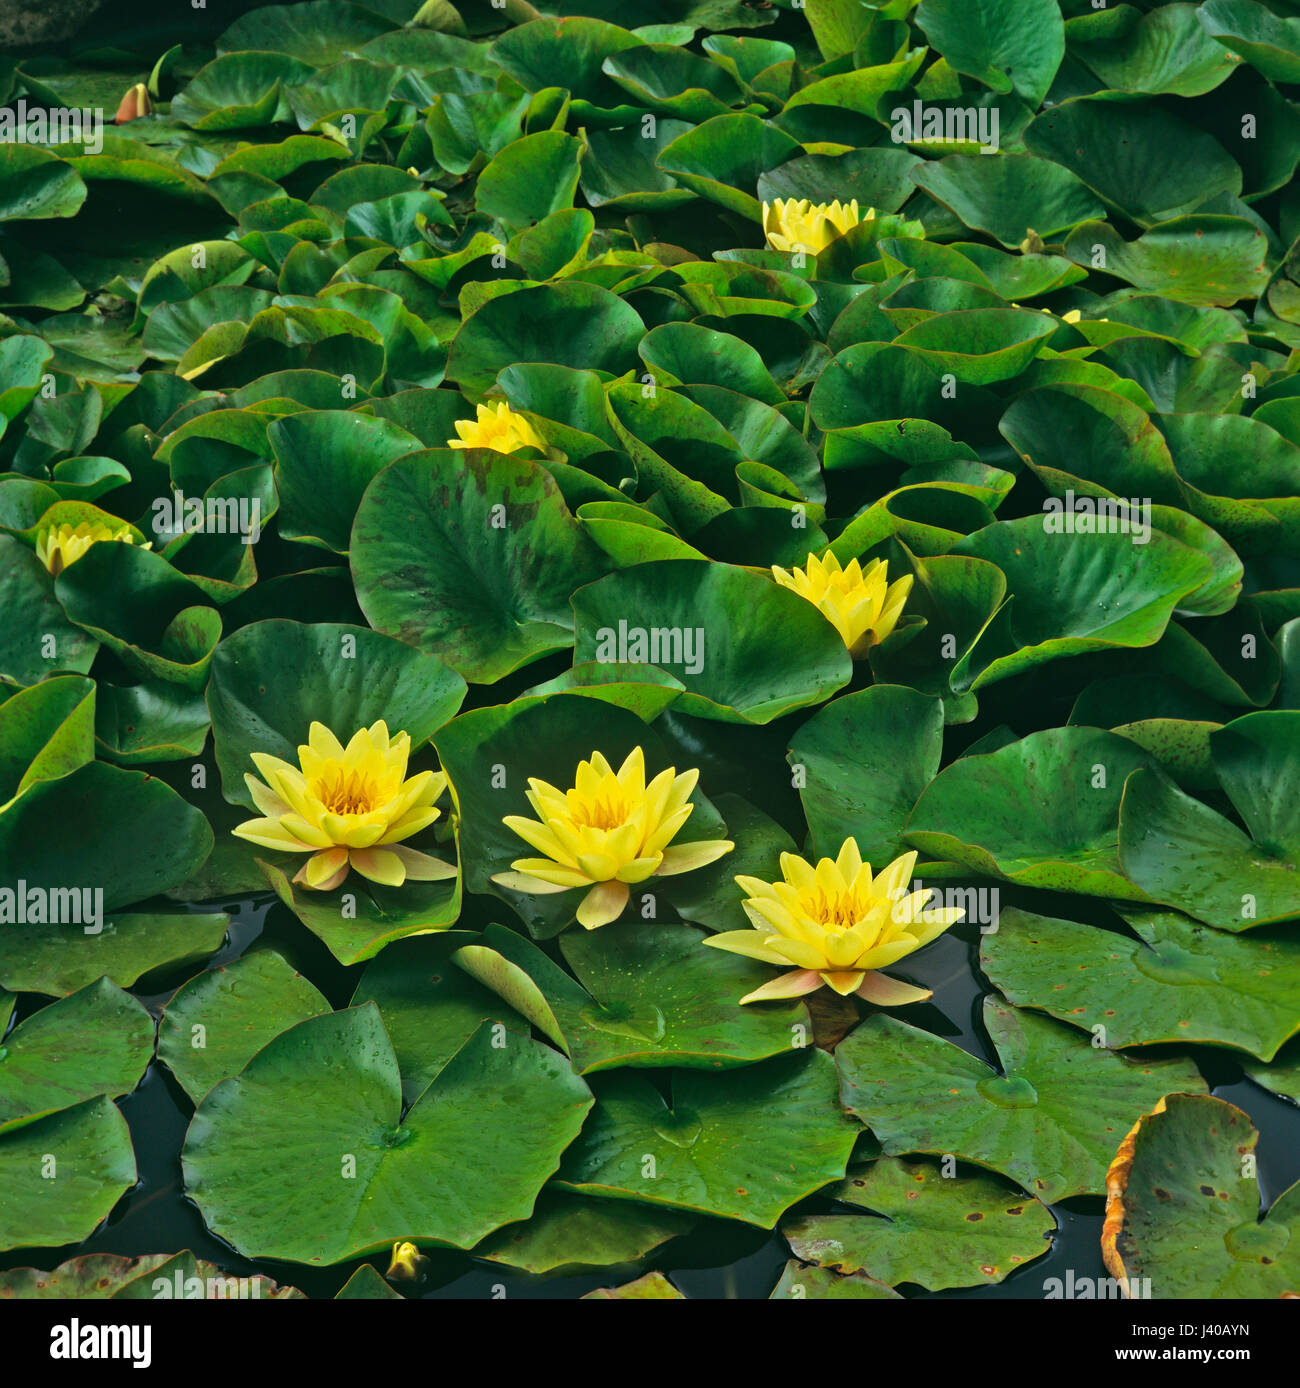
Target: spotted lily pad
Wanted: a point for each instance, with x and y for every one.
(1049, 1119)
(959, 1231)
(1182, 1208)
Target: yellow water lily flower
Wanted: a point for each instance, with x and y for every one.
(349, 807)
(837, 925)
(610, 830)
(407, 1262)
(62, 545)
(795, 224)
(864, 607)
(500, 429)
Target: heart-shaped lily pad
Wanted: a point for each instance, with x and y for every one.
(745, 1145)
(1242, 879)
(958, 1231)
(327, 1095)
(491, 591)
(1179, 981)
(271, 680)
(1049, 1121)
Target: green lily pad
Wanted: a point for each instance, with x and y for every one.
(367, 1285)
(271, 680)
(1120, 150)
(59, 960)
(429, 1006)
(1167, 50)
(718, 1148)
(1050, 1121)
(1008, 195)
(1072, 593)
(97, 1041)
(866, 758)
(1239, 882)
(45, 732)
(83, 833)
(723, 158)
(36, 639)
(327, 1096)
(1267, 41)
(1180, 1215)
(1043, 812)
(531, 178)
(141, 608)
(221, 1018)
(1199, 260)
(1014, 46)
(570, 1233)
(570, 324)
(358, 919)
(646, 995)
(962, 1231)
(324, 462)
(1179, 981)
(492, 593)
(777, 652)
(63, 1174)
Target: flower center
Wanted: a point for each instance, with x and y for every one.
(607, 809)
(839, 909)
(346, 792)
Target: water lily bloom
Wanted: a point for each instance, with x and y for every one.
(349, 807)
(610, 830)
(864, 607)
(795, 224)
(62, 545)
(407, 1262)
(500, 429)
(837, 925)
